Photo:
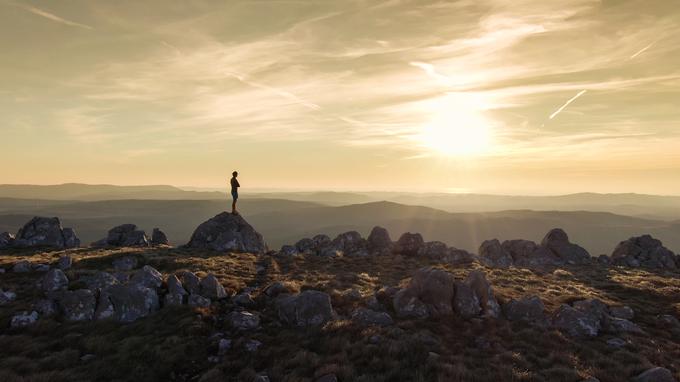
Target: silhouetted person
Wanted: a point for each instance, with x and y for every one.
(234, 192)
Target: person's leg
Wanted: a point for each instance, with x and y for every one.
(233, 203)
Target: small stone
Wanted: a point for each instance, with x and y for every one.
(22, 266)
(41, 267)
(261, 378)
(45, 307)
(253, 345)
(88, 357)
(223, 346)
(24, 319)
(328, 378)
(6, 297)
(213, 359)
(243, 320)
(244, 300)
(616, 342)
(656, 374)
(159, 237)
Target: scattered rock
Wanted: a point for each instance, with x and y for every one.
(54, 280)
(64, 263)
(22, 266)
(100, 280)
(366, 316)
(127, 263)
(309, 308)
(244, 300)
(616, 342)
(24, 319)
(575, 322)
(243, 320)
(306, 246)
(643, 251)
(379, 240)
(527, 309)
(656, 374)
(252, 345)
(211, 288)
(223, 346)
(409, 244)
(288, 250)
(41, 267)
(130, 302)
(198, 301)
(147, 277)
(6, 297)
(227, 232)
(191, 282)
(126, 235)
(45, 232)
(432, 287)
(159, 237)
(77, 305)
(493, 255)
(558, 243)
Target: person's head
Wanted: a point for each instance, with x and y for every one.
(234, 174)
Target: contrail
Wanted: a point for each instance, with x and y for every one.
(53, 17)
(553, 115)
(642, 50)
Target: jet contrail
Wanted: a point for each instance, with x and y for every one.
(53, 17)
(642, 50)
(553, 115)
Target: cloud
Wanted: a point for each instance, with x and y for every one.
(51, 16)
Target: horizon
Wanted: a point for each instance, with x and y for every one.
(493, 97)
(366, 191)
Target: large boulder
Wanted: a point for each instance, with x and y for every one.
(211, 288)
(77, 305)
(6, 240)
(557, 242)
(655, 374)
(227, 232)
(305, 246)
(432, 288)
(99, 280)
(45, 232)
(350, 243)
(644, 251)
(126, 235)
(477, 281)
(309, 308)
(434, 250)
(466, 303)
(493, 255)
(191, 282)
(159, 237)
(527, 309)
(54, 280)
(379, 240)
(575, 322)
(527, 254)
(409, 244)
(127, 303)
(147, 277)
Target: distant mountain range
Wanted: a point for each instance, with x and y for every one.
(656, 207)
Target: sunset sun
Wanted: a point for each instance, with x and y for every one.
(457, 128)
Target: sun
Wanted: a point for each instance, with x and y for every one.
(458, 127)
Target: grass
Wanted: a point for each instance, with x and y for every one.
(175, 343)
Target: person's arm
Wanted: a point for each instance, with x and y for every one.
(237, 183)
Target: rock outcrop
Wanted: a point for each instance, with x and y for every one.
(125, 235)
(409, 244)
(644, 251)
(379, 240)
(227, 232)
(589, 318)
(435, 292)
(45, 232)
(555, 250)
(309, 308)
(159, 237)
(6, 240)
(527, 309)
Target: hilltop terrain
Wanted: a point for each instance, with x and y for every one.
(344, 309)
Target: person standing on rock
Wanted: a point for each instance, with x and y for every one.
(234, 192)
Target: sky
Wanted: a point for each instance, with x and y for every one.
(489, 96)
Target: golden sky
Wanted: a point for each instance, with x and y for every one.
(494, 96)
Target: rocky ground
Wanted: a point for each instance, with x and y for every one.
(347, 309)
